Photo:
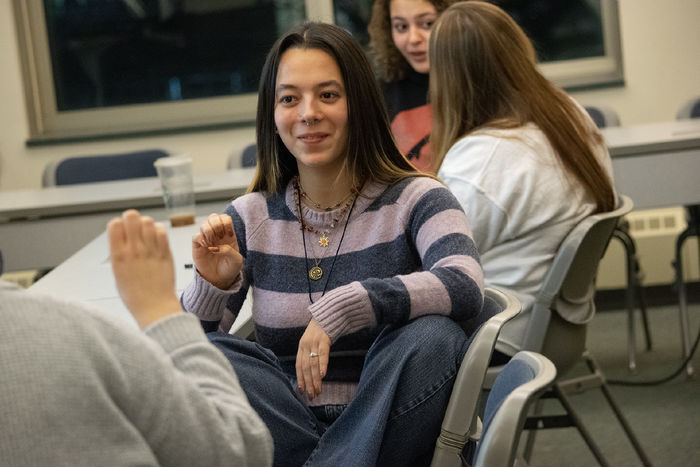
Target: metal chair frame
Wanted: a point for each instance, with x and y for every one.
(568, 286)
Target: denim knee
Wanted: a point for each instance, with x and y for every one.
(427, 338)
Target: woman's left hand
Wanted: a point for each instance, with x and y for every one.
(312, 359)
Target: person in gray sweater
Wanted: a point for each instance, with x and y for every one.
(78, 387)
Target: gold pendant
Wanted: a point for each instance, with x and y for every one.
(323, 240)
(315, 273)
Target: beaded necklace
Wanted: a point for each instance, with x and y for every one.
(317, 205)
(323, 239)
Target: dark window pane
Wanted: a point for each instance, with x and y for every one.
(114, 52)
(354, 15)
(560, 30)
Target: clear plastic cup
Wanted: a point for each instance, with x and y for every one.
(175, 174)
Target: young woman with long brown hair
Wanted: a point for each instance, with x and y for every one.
(358, 266)
(523, 158)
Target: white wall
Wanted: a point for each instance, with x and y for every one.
(661, 50)
(661, 57)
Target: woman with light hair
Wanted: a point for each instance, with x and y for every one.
(523, 158)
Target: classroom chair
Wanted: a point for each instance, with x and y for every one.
(461, 424)
(517, 386)
(603, 116)
(606, 117)
(691, 109)
(87, 169)
(570, 285)
(247, 158)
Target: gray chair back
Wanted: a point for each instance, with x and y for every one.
(461, 423)
(558, 321)
(519, 383)
(569, 286)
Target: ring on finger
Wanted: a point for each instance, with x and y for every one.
(313, 354)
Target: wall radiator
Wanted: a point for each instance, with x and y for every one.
(655, 233)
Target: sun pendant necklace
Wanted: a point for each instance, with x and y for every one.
(316, 272)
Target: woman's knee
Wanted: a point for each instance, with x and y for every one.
(418, 345)
(436, 332)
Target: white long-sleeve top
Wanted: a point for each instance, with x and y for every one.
(521, 205)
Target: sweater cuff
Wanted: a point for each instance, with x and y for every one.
(176, 331)
(343, 311)
(206, 301)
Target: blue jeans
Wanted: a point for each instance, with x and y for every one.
(398, 408)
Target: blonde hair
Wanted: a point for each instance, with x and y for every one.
(483, 74)
(390, 64)
(372, 154)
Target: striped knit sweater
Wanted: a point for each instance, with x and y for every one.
(407, 252)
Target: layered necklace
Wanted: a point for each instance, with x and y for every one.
(316, 272)
(323, 239)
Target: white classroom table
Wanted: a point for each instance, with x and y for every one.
(41, 228)
(657, 164)
(87, 276)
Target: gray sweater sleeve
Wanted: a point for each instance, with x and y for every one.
(198, 414)
(82, 388)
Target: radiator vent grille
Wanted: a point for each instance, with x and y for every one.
(655, 223)
(655, 233)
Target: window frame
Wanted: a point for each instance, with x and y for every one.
(605, 70)
(48, 125)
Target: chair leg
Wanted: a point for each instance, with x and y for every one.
(537, 421)
(631, 342)
(578, 423)
(629, 295)
(593, 367)
(634, 287)
(645, 317)
(530, 440)
(641, 299)
(682, 301)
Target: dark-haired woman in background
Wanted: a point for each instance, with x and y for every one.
(399, 35)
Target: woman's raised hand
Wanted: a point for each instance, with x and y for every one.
(143, 267)
(215, 251)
